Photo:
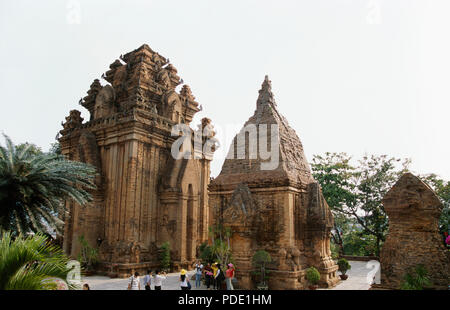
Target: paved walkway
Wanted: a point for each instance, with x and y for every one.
(357, 276)
(357, 280)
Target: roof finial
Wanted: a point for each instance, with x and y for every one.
(265, 93)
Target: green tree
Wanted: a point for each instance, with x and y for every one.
(206, 253)
(442, 189)
(31, 263)
(260, 259)
(335, 175)
(221, 247)
(375, 177)
(357, 191)
(164, 256)
(35, 185)
(88, 255)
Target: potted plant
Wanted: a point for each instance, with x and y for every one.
(260, 259)
(313, 277)
(344, 265)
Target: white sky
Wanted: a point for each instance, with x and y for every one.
(351, 76)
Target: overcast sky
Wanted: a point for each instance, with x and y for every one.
(355, 76)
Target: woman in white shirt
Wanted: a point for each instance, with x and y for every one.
(158, 280)
(134, 283)
(184, 281)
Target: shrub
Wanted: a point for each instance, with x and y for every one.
(312, 275)
(164, 256)
(416, 280)
(88, 255)
(344, 265)
(33, 263)
(260, 259)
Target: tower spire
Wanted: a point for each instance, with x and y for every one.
(265, 93)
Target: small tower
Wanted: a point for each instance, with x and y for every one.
(413, 238)
(266, 195)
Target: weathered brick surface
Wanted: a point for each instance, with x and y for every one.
(413, 237)
(281, 211)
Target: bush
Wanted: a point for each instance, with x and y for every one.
(416, 280)
(334, 250)
(312, 275)
(206, 253)
(344, 265)
(164, 256)
(260, 259)
(88, 256)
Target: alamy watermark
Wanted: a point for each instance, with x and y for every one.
(373, 16)
(252, 142)
(73, 12)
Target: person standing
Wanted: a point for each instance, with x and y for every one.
(230, 276)
(134, 283)
(198, 274)
(184, 281)
(214, 268)
(219, 277)
(209, 276)
(147, 280)
(158, 280)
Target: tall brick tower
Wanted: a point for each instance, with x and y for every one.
(144, 196)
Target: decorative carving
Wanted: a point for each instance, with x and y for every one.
(104, 102)
(241, 208)
(74, 120)
(187, 93)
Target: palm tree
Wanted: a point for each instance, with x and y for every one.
(34, 186)
(31, 263)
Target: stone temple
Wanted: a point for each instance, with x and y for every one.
(275, 206)
(413, 238)
(144, 196)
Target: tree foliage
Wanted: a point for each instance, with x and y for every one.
(34, 186)
(356, 192)
(206, 253)
(312, 275)
(260, 259)
(344, 265)
(442, 189)
(88, 256)
(31, 263)
(221, 247)
(164, 256)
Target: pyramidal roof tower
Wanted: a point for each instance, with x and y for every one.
(267, 197)
(250, 161)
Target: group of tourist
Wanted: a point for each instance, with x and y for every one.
(214, 275)
(156, 280)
